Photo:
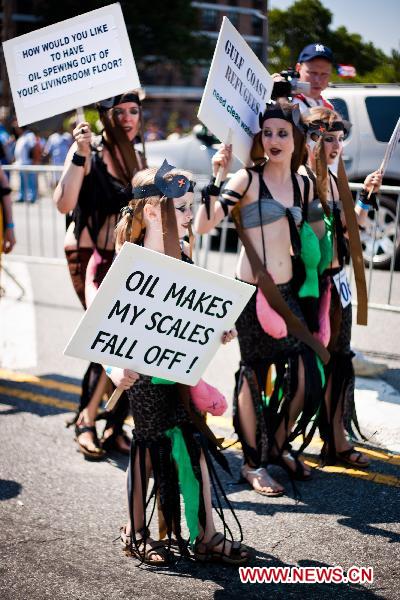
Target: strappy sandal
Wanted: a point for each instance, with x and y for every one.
(299, 474)
(146, 549)
(110, 443)
(259, 471)
(205, 551)
(97, 453)
(345, 455)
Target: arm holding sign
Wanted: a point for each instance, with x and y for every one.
(77, 165)
(367, 200)
(213, 210)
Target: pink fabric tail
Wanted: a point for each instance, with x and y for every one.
(207, 398)
(324, 333)
(90, 285)
(270, 321)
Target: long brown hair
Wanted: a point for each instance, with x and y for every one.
(116, 138)
(328, 117)
(257, 154)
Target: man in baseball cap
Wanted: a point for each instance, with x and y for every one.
(315, 67)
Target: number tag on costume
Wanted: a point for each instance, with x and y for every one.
(343, 288)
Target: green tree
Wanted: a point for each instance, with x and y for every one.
(303, 22)
(157, 32)
(307, 21)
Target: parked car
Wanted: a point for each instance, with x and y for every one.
(373, 109)
(192, 152)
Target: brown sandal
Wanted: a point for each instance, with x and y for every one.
(146, 549)
(205, 551)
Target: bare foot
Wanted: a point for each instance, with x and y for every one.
(261, 481)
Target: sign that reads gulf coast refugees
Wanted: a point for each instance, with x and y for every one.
(237, 89)
(70, 64)
(158, 316)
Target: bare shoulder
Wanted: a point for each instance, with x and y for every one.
(239, 182)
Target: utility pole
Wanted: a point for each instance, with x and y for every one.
(264, 17)
(7, 32)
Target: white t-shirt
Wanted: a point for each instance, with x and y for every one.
(305, 103)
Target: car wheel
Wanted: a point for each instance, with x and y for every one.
(383, 249)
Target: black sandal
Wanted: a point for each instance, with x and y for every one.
(111, 443)
(205, 551)
(145, 549)
(344, 456)
(96, 454)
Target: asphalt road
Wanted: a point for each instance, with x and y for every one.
(60, 514)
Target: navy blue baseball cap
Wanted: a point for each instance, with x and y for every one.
(315, 51)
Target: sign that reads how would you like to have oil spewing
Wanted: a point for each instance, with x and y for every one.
(237, 89)
(158, 316)
(70, 64)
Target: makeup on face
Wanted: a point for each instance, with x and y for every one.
(183, 208)
(127, 115)
(277, 137)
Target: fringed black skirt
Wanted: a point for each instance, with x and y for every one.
(340, 373)
(259, 351)
(164, 429)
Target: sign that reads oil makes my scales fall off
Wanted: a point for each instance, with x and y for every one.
(237, 89)
(158, 316)
(70, 64)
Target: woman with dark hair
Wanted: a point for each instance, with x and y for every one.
(91, 193)
(266, 202)
(335, 220)
(171, 439)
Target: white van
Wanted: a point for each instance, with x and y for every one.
(373, 109)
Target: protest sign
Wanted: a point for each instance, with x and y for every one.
(391, 147)
(158, 316)
(70, 64)
(237, 89)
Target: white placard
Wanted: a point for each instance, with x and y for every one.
(70, 64)
(343, 287)
(237, 89)
(391, 147)
(158, 316)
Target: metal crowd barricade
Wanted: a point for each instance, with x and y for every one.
(40, 231)
(39, 227)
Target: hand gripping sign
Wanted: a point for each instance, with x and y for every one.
(237, 89)
(158, 316)
(70, 64)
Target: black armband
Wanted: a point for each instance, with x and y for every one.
(368, 199)
(210, 190)
(78, 160)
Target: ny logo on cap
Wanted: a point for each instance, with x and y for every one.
(319, 48)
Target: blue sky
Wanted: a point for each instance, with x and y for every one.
(377, 21)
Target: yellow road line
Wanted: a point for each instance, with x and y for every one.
(50, 384)
(358, 473)
(221, 422)
(38, 398)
